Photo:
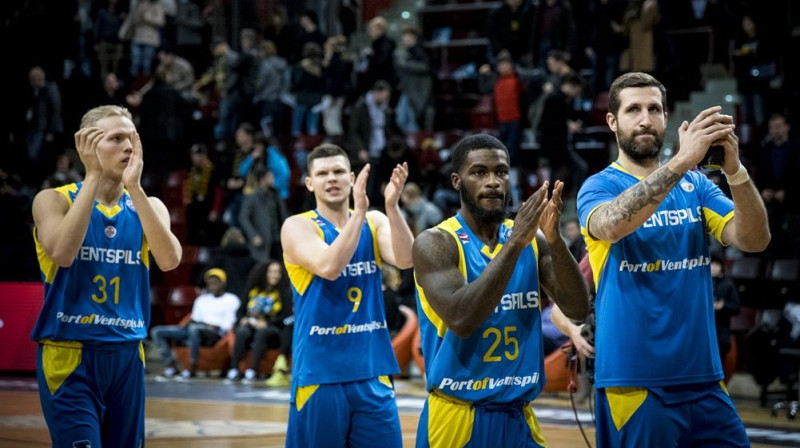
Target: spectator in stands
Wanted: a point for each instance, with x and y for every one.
(420, 212)
(203, 199)
(271, 83)
(308, 87)
(233, 257)
(605, 41)
(509, 28)
(778, 162)
(309, 33)
(754, 67)
(279, 32)
(371, 124)
(575, 242)
(261, 321)
(552, 337)
(106, 34)
(261, 216)
(147, 22)
(415, 105)
(559, 121)
(44, 123)
(227, 82)
(213, 315)
(553, 29)
(163, 115)
(726, 305)
(337, 74)
(380, 55)
(65, 173)
(640, 20)
(278, 165)
(189, 33)
(180, 71)
(396, 153)
(110, 92)
(236, 185)
(247, 67)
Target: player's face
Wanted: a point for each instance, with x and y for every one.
(483, 184)
(274, 274)
(330, 179)
(640, 123)
(115, 149)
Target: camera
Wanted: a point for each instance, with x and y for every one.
(714, 159)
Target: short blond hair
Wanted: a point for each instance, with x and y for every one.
(379, 22)
(96, 114)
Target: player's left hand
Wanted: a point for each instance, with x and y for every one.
(731, 145)
(132, 176)
(391, 193)
(549, 222)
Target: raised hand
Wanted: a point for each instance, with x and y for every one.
(696, 137)
(86, 141)
(394, 188)
(731, 145)
(360, 199)
(132, 176)
(527, 221)
(550, 219)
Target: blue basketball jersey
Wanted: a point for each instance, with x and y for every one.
(340, 330)
(105, 295)
(655, 314)
(502, 360)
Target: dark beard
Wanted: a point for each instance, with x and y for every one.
(638, 153)
(481, 214)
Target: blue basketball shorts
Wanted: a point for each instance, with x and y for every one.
(447, 422)
(92, 395)
(354, 414)
(634, 417)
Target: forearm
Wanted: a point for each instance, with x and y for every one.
(402, 238)
(164, 246)
(563, 323)
(475, 302)
(621, 217)
(750, 218)
(332, 261)
(68, 237)
(571, 293)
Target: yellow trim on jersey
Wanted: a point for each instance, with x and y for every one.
(109, 212)
(450, 226)
(299, 276)
(375, 246)
(715, 223)
(623, 402)
(145, 252)
(59, 360)
(598, 249)
(66, 190)
(724, 387)
(46, 265)
(533, 424)
(621, 168)
(385, 380)
(141, 353)
(449, 421)
(303, 394)
(437, 321)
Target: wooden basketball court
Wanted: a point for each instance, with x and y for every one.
(207, 413)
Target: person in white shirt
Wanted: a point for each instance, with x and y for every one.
(213, 315)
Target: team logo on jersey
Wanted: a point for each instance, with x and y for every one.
(463, 237)
(111, 231)
(129, 204)
(687, 187)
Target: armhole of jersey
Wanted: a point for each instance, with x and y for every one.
(375, 246)
(589, 217)
(65, 190)
(46, 265)
(299, 276)
(145, 251)
(450, 226)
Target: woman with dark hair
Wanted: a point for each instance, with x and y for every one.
(261, 323)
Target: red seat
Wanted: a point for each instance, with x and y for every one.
(403, 341)
(556, 370)
(215, 357)
(182, 274)
(159, 298)
(180, 303)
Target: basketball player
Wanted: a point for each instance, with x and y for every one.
(647, 231)
(478, 277)
(340, 392)
(93, 240)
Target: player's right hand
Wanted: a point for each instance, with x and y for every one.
(527, 221)
(360, 199)
(696, 137)
(86, 141)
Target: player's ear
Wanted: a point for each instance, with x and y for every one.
(352, 178)
(612, 121)
(309, 186)
(455, 180)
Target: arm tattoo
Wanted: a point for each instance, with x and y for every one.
(649, 191)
